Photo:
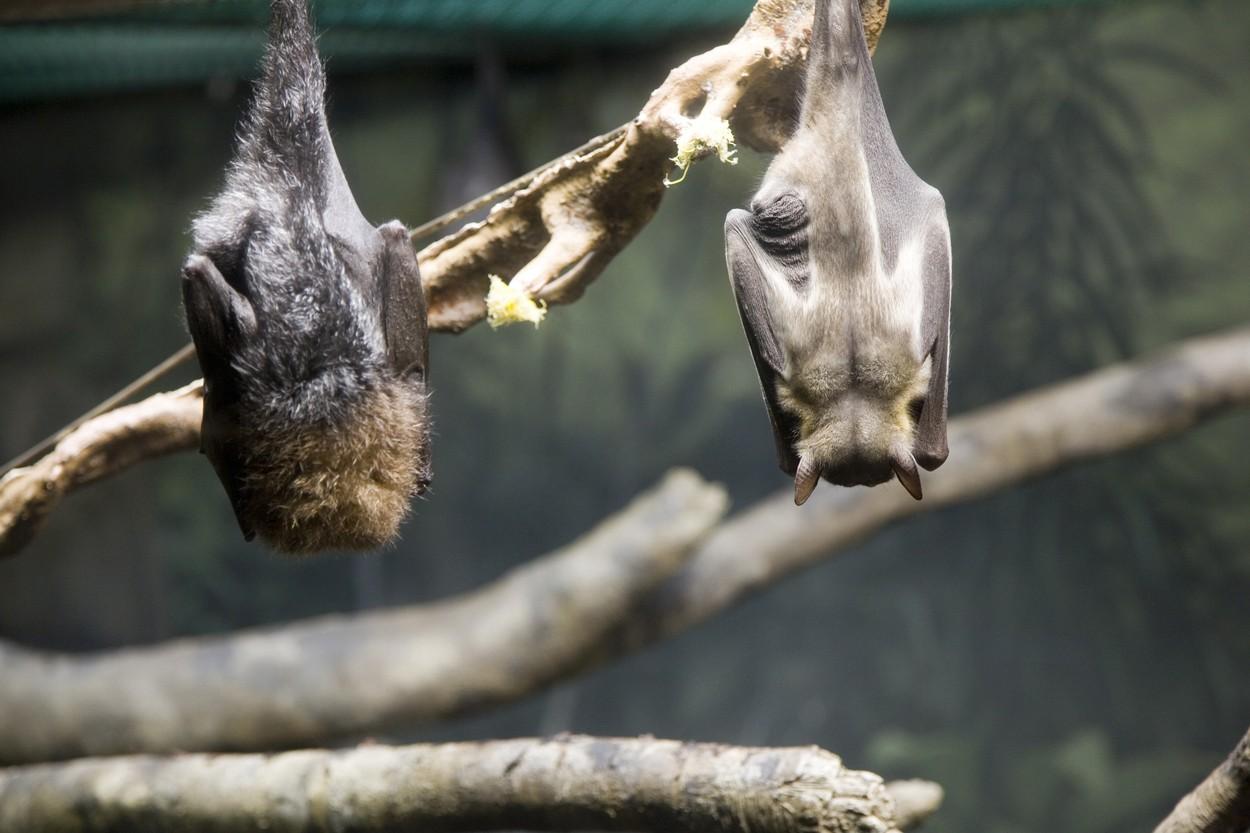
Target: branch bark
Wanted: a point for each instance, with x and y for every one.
(1221, 803)
(565, 783)
(299, 684)
(334, 676)
(101, 447)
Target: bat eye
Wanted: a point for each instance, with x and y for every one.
(780, 229)
(781, 216)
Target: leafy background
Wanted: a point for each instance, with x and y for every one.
(1070, 655)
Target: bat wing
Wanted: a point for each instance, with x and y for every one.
(397, 285)
(931, 447)
(751, 293)
(219, 317)
(403, 304)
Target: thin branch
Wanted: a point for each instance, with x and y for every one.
(1221, 803)
(98, 448)
(562, 784)
(336, 676)
(121, 397)
(302, 683)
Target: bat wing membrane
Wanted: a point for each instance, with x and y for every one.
(403, 304)
(931, 446)
(750, 292)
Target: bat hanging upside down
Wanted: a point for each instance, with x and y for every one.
(842, 273)
(309, 325)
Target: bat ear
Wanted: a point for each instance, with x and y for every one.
(904, 465)
(403, 304)
(805, 479)
(751, 293)
(218, 315)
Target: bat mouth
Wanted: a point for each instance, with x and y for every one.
(859, 474)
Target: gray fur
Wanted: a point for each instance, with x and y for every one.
(841, 270)
(304, 315)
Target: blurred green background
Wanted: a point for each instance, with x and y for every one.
(1071, 655)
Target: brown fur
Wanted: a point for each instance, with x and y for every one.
(346, 487)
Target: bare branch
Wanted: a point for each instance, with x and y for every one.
(100, 447)
(914, 801)
(564, 783)
(1221, 803)
(336, 676)
(1111, 410)
(301, 683)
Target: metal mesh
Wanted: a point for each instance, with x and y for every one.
(188, 41)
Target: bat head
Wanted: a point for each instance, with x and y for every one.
(843, 373)
(856, 415)
(315, 416)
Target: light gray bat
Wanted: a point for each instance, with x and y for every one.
(842, 273)
(309, 325)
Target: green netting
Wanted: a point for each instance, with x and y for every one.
(187, 42)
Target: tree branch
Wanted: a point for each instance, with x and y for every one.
(1105, 412)
(562, 784)
(334, 676)
(1221, 803)
(302, 683)
(99, 448)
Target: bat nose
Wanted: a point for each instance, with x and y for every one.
(860, 473)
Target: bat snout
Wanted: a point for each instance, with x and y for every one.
(860, 472)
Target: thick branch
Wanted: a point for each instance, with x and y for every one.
(565, 783)
(334, 676)
(1111, 410)
(1221, 803)
(299, 684)
(101, 447)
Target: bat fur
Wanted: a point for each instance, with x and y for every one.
(309, 324)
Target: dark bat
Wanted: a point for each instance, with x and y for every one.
(309, 324)
(841, 270)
